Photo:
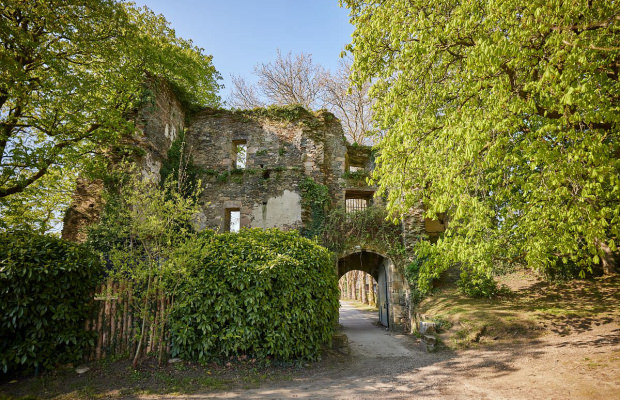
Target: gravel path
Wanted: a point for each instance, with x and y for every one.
(367, 340)
(383, 365)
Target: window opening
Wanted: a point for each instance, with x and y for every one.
(233, 220)
(353, 168)
(357, 201)
(240, 152)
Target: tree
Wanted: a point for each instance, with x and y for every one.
(349, 103)
(244, 95)
(294, 79)
(504, 115)
(40, 207)
(74, 72)
(287, 80)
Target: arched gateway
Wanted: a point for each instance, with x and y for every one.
(391, 284)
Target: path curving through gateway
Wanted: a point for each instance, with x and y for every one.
(367, 338)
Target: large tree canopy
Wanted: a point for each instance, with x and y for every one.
(503, 114)
(71, 73)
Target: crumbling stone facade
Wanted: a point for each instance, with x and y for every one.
(279, 154)
(254, 163)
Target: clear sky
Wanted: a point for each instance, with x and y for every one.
(242, 33)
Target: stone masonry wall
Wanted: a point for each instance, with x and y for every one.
(280, 154)
(158, 123)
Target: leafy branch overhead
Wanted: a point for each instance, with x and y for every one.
(73, 74)
(503, 115)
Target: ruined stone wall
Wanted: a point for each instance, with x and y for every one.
(283, 149)
(86, 206)
(280, 154)
(158, 122)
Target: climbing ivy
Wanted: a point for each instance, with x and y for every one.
(357, 177)
(368, 228)
(179, 167)
(288, 113)
(315, 198)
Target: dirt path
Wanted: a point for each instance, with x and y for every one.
(366, 339)
(388, 366)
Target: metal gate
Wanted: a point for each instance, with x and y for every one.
(382, 296)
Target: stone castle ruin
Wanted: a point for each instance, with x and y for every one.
(255, 163)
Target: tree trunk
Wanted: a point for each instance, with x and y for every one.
(365, 288)
(608, 260)
(162, 328)
(145, 312)
(351, 294)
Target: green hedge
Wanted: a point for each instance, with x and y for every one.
(46, 287)
(256, 293)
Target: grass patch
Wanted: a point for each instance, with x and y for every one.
(533, 309)
(361, 306)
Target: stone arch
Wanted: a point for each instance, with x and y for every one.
(392, 287)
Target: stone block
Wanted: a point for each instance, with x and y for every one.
(429, 343)
(426, 327)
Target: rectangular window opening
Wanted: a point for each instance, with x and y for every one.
(353, 168)
(240, 152)
(357, 201)
(233, 220)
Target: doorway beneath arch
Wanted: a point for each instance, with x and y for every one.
(390, 284)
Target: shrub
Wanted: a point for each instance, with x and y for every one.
(368, 227)
(46, 287)
(256, 293)
(478, 284)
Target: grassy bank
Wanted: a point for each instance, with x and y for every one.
(532, 308)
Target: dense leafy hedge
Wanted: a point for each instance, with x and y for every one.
(256, 293)
(46, 287)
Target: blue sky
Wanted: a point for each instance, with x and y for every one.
(242, 33)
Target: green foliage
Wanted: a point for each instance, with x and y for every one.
(257, 293)
(427, 267)
(287, 113)
(367, 228)
(314, 197)
(565, 271)
(504, 116)
(358, 177)
(478, 284)
(46, 286)
(293, 113)
(73, 73)
(179, 167)
(142, 225)
(32, 211)
(419, 285)
(222, 177)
